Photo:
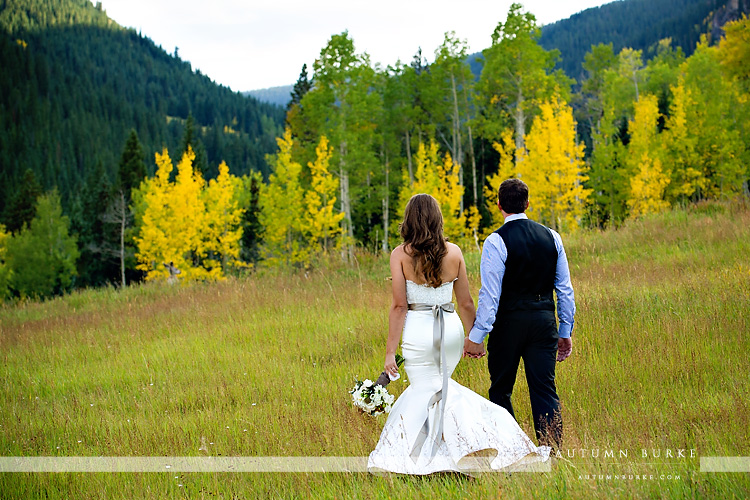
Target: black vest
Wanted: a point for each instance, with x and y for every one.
(530, 268)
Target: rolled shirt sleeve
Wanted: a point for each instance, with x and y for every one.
(492, 270)
(566, 307)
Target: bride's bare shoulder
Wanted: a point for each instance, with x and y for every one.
(453, 249)
(399, 253)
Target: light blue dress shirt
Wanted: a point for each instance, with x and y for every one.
(492, 270)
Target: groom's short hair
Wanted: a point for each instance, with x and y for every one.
(513, 196)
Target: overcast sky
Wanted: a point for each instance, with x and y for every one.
(254, 44)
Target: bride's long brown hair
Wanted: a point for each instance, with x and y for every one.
(422, 231)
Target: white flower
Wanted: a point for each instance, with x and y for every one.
(367, 383)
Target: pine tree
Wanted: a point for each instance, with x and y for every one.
(95, 238)
(301, 87)
(42, 257)
(6, 273)
(252, 229)
(132, 168)
(21, 209)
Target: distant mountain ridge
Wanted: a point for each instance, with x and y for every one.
(273, 95)
(74, 82)
(638, 24)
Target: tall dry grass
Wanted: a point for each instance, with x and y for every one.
(261, 366)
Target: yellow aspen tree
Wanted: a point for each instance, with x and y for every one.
(282, 209)
(171, 220)
(189, 211)
(440, 179)
(552, 166)
(648, 180)
(450, 193)
(322, 222)
(506, 170)
(155, 216)
(222, 229)
(425, 177)
(679, 142)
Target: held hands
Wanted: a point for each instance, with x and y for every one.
(564, 348)
(473, 350)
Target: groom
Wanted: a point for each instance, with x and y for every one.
(522, 262)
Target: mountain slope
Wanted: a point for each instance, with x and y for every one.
(273, 95)
(638, 24)
(74, 83)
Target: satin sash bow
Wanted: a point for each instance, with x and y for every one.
(438, 343)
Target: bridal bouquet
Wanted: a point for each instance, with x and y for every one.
(372, 397)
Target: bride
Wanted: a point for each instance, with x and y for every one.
(437, 424)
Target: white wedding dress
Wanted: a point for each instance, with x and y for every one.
(477, 435)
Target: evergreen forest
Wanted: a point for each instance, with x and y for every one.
(120, 163)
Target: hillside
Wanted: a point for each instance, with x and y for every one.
(74, 83)
(658, 363)
(279, 96)
(638, 24)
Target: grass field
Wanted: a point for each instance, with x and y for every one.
(261, 366)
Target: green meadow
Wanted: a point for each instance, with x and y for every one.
(262, 365)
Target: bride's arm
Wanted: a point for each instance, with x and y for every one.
(464, 301)
(397, 313)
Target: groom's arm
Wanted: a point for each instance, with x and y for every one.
(566, 306)
(492, 269)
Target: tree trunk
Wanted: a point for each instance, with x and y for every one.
(520, 123)
(408, 158)
(345, 203)
(471, 150)
(386, 206)
(459, 160)
(473, 168)
(123, 221)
